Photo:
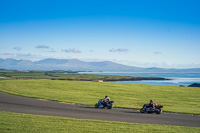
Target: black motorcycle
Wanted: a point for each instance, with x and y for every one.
(102, 104)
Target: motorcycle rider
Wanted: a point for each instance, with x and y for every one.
(103, 102)
(107, 99)
(152, 104)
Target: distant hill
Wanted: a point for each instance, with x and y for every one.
(77, 65)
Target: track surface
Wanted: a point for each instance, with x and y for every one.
(33, 106)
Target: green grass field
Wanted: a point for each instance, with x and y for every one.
(26, 123)
(174, 99)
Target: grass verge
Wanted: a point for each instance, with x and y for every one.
(173, 98)
(26, 123)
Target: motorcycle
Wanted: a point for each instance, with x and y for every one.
(102, 104)
(147, 109)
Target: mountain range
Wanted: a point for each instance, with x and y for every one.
(77, 65)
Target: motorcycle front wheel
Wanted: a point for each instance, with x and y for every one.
(96, 105)
(143, 110)
(158, 111)
(109, 106)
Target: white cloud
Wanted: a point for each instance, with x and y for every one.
(159, 64)
(6, 55)
(51, 50)
(157, 53)
(118, 50)
(74, 50)
(27, 56)
(17, 48)
(91, 50)
(42, 46)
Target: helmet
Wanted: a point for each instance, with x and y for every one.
(151, 101)
(106, 96)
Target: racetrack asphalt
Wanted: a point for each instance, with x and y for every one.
(13, 103)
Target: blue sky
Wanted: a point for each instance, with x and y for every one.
(146, 33)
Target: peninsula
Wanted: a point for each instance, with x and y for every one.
(62, 75)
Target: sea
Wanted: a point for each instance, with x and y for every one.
(176, 79)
